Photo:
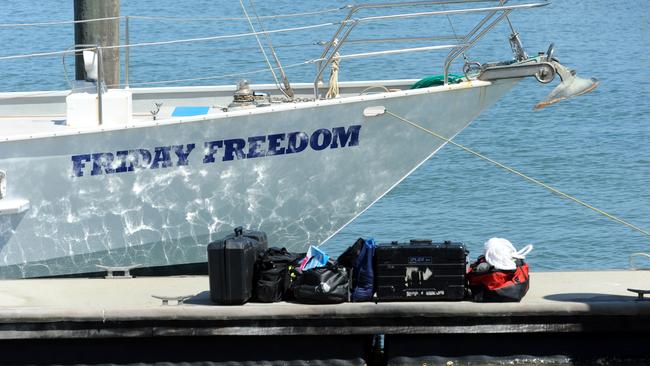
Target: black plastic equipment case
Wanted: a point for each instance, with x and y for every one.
(259, 236)
(231, 264)
(420, 270)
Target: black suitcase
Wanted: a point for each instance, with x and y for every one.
(420, 270)
(231, 264)
(259, 236)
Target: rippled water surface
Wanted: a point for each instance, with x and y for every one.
(596, 147)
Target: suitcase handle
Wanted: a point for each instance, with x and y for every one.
(239, 231)
(421, 241)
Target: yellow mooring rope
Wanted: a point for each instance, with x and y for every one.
(531, 179)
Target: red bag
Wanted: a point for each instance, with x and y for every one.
(488, 284)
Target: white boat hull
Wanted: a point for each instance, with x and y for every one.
(83, 212)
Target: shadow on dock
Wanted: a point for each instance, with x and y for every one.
(588, 297)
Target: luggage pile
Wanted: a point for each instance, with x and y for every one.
(242, 268)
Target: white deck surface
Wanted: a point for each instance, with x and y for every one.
(25, 127)
(20, 126)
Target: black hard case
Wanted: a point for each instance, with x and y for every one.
(420, 270)
(231, 264)
(259, 236)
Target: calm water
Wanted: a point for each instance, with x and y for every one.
(595, 147)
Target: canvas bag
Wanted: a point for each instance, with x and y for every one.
(272, 275)
(322, 285)
(488, 284)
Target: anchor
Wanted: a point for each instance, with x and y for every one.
(570, 86)
(544, 67)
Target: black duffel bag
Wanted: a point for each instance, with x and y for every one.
(272, 274)
(322, 285)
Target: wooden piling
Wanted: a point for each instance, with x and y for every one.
(104, 33)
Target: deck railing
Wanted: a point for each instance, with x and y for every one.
(495, 12)
(467, 41)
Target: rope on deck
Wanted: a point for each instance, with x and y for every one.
(522, 175)
(333, 90)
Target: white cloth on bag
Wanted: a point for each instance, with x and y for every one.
(501, 254)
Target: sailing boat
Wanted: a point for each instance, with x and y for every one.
(115, 183)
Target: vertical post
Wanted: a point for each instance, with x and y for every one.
(126, 51)
(102, 32)
(100, 111)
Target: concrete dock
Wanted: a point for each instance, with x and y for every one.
(570, 315)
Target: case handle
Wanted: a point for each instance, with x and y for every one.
(239, 231)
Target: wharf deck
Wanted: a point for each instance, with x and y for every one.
(567, 318)
(87, 308)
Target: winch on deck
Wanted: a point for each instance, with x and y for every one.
(245, 97)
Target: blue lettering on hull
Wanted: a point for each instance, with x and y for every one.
(161, 157)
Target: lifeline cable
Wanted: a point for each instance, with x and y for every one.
(176, 41)
(222, 76)
(276, 16)
(170, 18)
(57, 22)
(522, 175)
